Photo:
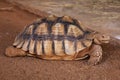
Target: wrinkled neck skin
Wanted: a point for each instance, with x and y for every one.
(96, 41)
(93, 37)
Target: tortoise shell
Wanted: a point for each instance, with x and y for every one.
(59, 36)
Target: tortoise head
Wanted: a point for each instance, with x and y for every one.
(100, 38)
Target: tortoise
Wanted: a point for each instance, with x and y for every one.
(59, 38)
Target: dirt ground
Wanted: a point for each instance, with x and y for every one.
(28, 68)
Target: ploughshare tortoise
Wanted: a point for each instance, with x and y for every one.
(59, 38)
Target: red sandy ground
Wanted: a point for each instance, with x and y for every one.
(28, 68)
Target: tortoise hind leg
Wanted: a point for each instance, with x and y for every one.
(95, 55)
(12, 52)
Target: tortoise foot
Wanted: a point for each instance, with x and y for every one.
(12, 52)
(96, 55)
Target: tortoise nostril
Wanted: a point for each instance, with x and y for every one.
(103, 36)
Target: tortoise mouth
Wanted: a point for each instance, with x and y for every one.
(105, 41)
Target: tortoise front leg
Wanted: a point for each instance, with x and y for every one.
(12, 52)
(95, 55)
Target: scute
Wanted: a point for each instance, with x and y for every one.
(87, 43)
(58, 45)
(79, 46)
(17, 41)
(67, 19)
(29, 30)
(20, 44)
(74, 31)
(48, 47)
(39, 47)
(41, 29)
(58, 29)
(32, 47)
(69, 47)
(82, 44)
(52, 18)
(25, 45)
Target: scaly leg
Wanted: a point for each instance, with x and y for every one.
(95, 55)
(12, 52)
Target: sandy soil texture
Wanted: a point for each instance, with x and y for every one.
(27, 68)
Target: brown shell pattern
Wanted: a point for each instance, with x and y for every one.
(53, 36)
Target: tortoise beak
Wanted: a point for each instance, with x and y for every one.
(106, 39)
